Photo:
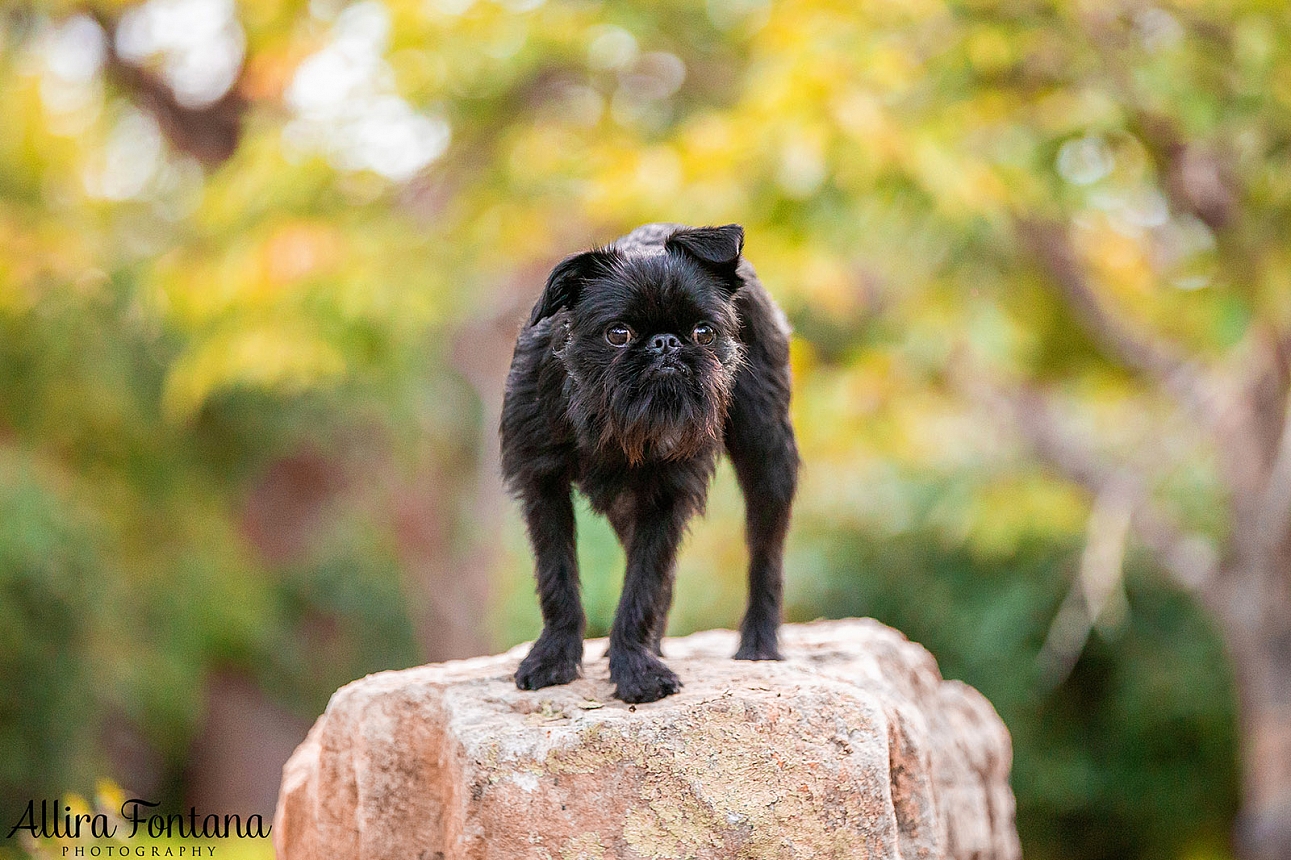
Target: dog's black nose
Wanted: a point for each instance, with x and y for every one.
(663, 344)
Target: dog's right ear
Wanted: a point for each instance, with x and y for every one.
(565, 283)
(715, 248)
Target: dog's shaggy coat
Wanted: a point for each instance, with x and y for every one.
(641, 363)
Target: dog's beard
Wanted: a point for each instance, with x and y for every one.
(655, 409)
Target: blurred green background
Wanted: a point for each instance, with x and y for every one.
(262, 265)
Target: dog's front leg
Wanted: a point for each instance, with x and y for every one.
(555, 657)
(647, 587)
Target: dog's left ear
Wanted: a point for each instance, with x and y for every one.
(716, 248)
(565, 283)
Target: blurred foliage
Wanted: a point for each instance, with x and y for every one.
(230, 389)
(1130, 757)
(47, 592)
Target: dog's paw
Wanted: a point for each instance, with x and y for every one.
(642, 678)
(548, 664)
(749, 652)
(758, 648)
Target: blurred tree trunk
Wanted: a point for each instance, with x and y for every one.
(448, 563)
(450, 524)
(1250, 593)
(1253, 605)
(235, 762)
(1262, 667)
(1242, 407)
(210, 133)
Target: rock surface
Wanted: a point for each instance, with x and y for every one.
(852, 747)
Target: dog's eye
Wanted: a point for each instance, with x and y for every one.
(618, 334)
(704, 333)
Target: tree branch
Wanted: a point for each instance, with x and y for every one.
(1189, 558)
(210, 134)
(1138, 351)
(1097, 597)
(1198, 180)
(1275, 507)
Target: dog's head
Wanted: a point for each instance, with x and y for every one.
(650, 342)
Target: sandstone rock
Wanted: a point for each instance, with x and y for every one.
(852, 747)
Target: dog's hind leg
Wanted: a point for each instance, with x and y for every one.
(760, 443)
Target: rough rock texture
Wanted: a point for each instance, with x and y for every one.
(852, 747)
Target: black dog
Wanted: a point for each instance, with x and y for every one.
(641, 361)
